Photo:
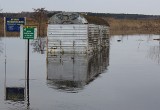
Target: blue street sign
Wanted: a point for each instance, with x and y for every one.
(13, 24)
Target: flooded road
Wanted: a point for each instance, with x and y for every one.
(124, 76)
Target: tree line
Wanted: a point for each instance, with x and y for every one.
(107, 15)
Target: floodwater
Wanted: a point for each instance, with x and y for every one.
(124, 76)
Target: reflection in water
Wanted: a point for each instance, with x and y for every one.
(17, 96)
(132, 80)
(39, 45)
(15, 93)
(71, 72)
(1, 47)
(154, 53)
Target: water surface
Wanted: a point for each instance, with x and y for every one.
(125, 76)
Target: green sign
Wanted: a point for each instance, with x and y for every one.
(28, 32)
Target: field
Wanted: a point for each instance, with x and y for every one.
(117, 26)
(125, 26)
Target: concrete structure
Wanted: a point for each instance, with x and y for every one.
(77, 51)
(72, 33)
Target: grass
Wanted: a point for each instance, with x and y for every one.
(117, 26)
(125, 26)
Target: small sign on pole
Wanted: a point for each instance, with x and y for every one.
(28, 32)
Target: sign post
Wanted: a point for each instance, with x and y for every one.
(12, 25)
(27, 33)
(28, 74)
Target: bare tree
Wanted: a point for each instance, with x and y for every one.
(40, 15)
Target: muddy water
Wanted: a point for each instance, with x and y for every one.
(125, 76)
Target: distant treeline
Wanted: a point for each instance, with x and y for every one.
(125, 16)
(108, 15)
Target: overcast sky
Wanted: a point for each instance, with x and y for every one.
(150, 7)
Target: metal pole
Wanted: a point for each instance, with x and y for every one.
(5, 34)
(26, 69)
(28, 60)
(25, 60)
(5, 77)
(28, 101)
(5, 56)
(28, 75)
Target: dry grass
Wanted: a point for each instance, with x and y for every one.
(126, 26)
(117, 27)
